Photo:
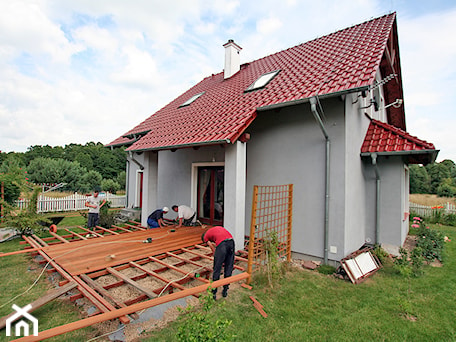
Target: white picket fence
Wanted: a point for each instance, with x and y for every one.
(72, 202)
(428, 211)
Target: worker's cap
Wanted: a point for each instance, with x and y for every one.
(165, 209)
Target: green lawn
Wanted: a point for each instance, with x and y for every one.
(303, 306)
(308, 306)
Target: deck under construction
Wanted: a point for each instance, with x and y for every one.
(156, 265)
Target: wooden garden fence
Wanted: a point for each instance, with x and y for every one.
(271, 223)
(72, 202)
(429, 211)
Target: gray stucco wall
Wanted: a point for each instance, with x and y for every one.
(359, 208)
(287, 146)
(393, 224)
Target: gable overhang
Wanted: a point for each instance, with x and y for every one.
(410, 157)
(392, 90)
(173, 148)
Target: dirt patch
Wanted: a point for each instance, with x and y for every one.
(410, 243)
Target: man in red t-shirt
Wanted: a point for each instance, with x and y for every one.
(222, 244)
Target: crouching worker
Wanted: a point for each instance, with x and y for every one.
(221, 243)
(155, 219)
(185, 215)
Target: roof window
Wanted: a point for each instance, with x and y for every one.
(262, 81)
(190, 100)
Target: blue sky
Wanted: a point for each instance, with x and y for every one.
(79, 71)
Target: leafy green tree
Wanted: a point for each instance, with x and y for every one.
(451, 167)
(85, 160)
(110, 185)
(122, 180)
(437, 173)
(12, 162)
(11, 187)
(447, 188)
(46, 151)
(47, 170)
(89, 181)
(419, 180)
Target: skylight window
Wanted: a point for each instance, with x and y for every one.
(263, 80)
(190, 100)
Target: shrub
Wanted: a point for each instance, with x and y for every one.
(431, 243)
(201, 326)
(402, 263)
(381, 254)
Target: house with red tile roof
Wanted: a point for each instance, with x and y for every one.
(326, 116)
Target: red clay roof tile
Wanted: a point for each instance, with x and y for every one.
(342, 61)
(382, 137)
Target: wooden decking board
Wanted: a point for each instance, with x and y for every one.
(82, 260)
(90, 255)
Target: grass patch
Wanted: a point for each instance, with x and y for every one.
(309, 306)
(303, 305)
(18, 273)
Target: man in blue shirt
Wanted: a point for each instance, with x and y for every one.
(155, 219)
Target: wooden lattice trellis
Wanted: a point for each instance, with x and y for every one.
(272, 209)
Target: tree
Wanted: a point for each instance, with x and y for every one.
(47, 170)
(110, 185)
(89, 181)
(437, 173)
(446, 188)
(451, 167)
(122, 180)
(419, 180)
(85, 160)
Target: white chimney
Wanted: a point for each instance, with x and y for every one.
(232, 62)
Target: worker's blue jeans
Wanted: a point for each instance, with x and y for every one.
(224, 254)
(152, 223)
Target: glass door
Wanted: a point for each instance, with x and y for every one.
(210, 194)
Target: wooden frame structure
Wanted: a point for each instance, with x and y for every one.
(155, 266)
(271, 222)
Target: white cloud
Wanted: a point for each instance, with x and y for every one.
(266, 26)
(25, 28)
(78, 71)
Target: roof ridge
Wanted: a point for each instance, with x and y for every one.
(393, 14)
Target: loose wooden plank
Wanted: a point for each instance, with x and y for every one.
(259, 307)
(43, 300)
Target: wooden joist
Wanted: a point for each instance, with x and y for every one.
(133, 283)
(130, 309)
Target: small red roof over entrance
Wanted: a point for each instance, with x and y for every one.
(343, 61)
(385, 139)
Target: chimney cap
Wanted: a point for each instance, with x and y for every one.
(232, 43)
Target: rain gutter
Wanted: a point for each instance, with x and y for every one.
(377, 197)
(171, 147)
(141, 166)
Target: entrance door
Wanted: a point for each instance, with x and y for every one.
(210, 194)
